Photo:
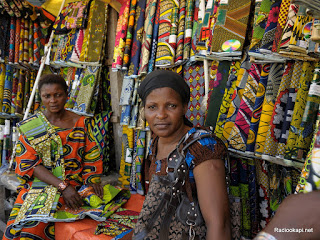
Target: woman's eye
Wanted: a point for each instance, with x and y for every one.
(151, 107)
(172, 105)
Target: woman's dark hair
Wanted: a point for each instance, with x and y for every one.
(53, 79)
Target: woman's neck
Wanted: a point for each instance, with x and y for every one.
(174, 139)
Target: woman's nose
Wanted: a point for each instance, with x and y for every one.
(161, 114)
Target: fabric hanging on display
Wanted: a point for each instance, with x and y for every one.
(60, 24)
(62, 42)
(4, 32)
(274, 187)
(236, 97)
(72, 45)
(287, 31)
(232, 22)
(121, 34)
(283, 15)
(17, 40)
(264, 200)
(293, 88)
(300, 103)
(26, 90)
(131, 23)
(277, 118)
(20, 92)
(195, 30)
(88, 84)
(7, 7)
(147, 36)
(139, 159)
(306, 129)
(297, 41)
(273, 84)
(75, 89)
(2, 82)
(126, 91)
(33, 76)
(21, 43)
(240, 130)
(180, 36)
(257, 109)
(134, 106)
(154, 41)
(126, 156)
(213, 69)
(260, 25)
(210, 30)
(15, 80)
(76, 52)
(309, 179)
(174, 30)
(137, 39)
(12, 43)
(286, 182)
(253, 197)
(188, 29)
(77, 18)
(227, 97)
(165, 52)
(125, 115)
(270, 30)
(68, 47)
(194, 76)
(204, 18)
(36, 44)
(220, 84)
(26, 43)
(200, 15)
(6, 102)
(245, 198)
(133, 188)
(97, 30)
(30, 43)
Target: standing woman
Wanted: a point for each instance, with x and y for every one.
(165, 96)
(56, 151)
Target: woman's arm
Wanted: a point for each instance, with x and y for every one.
(70, 195)
(213, 198)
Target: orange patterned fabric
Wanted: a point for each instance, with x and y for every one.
(80, 168)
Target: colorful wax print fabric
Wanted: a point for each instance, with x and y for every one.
(293, 88)
(17, 40)
(129, 36)
(283, 15)
(227, 97)
(287, 31)
(147, 36)
(12, 35)
(235, 217)
(257, 109)
(4, 31)
(85, 94)
(253, 197)
(188, 29)
(274, 187)
(309, 117)
(20, 92)
(277, 118)
(217, 94)
(194, 76)
(239, 133)
(120, 221)
(236, 97)
(137, 39)
(96, 30)
(264, 200)
(260, 25)
(273, 84)
(165, 52)
(305, 80)
(2, 81)
(126, 156)
(180, 35)
(121, 36)
(309, 178)
(270, 30)
(6, 102)
(232, 22)
(154, 42)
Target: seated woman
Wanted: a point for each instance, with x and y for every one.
(56, 152)
(165, 96)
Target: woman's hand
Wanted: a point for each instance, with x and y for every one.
(98, 189)
(72, 198)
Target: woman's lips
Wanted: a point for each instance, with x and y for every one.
(161, 125)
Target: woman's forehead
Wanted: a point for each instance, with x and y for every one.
(164, 92)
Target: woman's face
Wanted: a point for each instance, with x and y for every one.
(164, 111)
(53, 97)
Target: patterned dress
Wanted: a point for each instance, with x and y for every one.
(82, 166)
(204, 149)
